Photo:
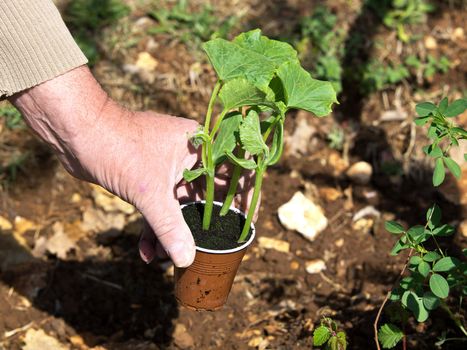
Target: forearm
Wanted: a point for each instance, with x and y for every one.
(68, 112)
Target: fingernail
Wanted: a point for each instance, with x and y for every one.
(182, 253)
(145, 252)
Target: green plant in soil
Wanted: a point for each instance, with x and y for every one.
(259, 80)
(329, 336)
(12, 116)
(431, 278)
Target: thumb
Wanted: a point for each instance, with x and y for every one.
(166, 220)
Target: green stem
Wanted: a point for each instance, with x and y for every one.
(218, 123)
(270, 128)
(453, 317)
(254, 202)
(208, 162)
(237, 172)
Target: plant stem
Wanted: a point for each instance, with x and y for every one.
(208, 162)
(237, 172)
(375, 324)
(453, 317)
(218, 123)
(254, 202)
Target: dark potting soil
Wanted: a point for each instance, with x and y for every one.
(223, 232)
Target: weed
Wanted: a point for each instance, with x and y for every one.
(86, 19)
(433, 275)
(336, 138)
(191, 27)
(13, 119)
(329, 335)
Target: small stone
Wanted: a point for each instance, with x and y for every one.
(23, 225)
(182, 338)
(339, 243)
(458, 34)
(255, 342)
(59, 244)
(272, 243)
(363, 225)
(463, 228)
(430, 43)
(5, 224)
(330, 194)
(77, 340)
(302, 215)
(315, 266)
(360, 173)
(38, 339)
(146, 62)
(294, 265)
(75, 198)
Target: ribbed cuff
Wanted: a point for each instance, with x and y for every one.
(35, 45)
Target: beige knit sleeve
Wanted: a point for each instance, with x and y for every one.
(35, 45)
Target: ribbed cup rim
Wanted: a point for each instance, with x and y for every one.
(225, 251)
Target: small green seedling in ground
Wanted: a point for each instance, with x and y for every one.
(13, 119)
(433, 275)
(259, 80)
(328, 336)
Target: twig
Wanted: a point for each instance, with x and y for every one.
(106, 283)
(375, 324)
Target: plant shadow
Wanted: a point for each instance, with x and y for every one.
(116, 299)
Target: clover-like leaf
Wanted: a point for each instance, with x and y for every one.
(425, 108)
(303, 92)
(394, 227)
(250, 134)
(456, 108)
(321, 335)
(439, 286)
(453, 167)
(446, 264)
(438, 173)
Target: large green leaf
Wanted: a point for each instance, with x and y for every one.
(276, 51)
(303, 92)
(389, 335)
(445, 264)
(240, 92)
(232, 61)
(250, 134)
(226, 137)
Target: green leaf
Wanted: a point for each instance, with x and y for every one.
(190, 175)
(394, 227)
(421, 121)
(446, 264)
(415, 304)
(416, 232)
(433, 215)
(456, 108)
(443, 105)
(250, 134)
(232, 61)
(240, 92)
(430, 301)
(276, 51)
(424, 268)
(277, 144)
(460, 131)
(321, 335)
(425, 108)
(303, 92)
(415, 260)
(398, 247)
(244, 163)
(431, 256)
(342, 339)
(439, 286)
(443, 231)
(453, 167)
(435, 151)
(389, 335)
(438, 174)
(226, 140)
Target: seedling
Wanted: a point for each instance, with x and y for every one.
(13, 119)
(329, 335)
(257, 76)
(433, 275)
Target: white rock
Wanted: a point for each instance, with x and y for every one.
(5, 224)
(272, 243)
(360, 172)
(302, 215)
(38, 339)
(59, 244)
(315, 266)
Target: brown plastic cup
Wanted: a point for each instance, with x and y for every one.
(206, 284)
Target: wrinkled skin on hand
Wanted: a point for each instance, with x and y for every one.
(138, 156)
